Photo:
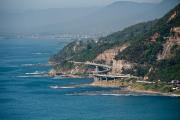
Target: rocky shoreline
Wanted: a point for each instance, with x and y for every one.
(127, 88)
(152, 92)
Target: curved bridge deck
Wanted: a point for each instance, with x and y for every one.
(99, 74)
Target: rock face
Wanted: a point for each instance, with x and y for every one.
(154, 37)
(119, 65)
(170, 42)
(176, 31)
(109, 55)
(52, 73)
(166, 54)
(172, 16)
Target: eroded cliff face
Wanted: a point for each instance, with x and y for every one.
(172, 16)
(170, 42)
(119, 65)
(109, 55)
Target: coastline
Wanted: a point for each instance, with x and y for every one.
(153, 92)
(127, 88)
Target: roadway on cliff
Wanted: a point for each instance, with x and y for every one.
(107, 68)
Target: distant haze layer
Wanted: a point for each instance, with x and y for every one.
(105, 19)
(44, 4)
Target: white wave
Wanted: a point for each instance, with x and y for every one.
(10, 66)
(39, 53)
(119, 94)
(35, 73)
(57, 77)
(54, 87)
(31, 76)
(38, 64)
(61, 87)
(107, 94)
(27, 65)
(23, 76)
(66, 87)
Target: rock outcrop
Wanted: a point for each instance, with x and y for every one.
(109, 55)
(170, 42)
(119, 65)
(172, 16)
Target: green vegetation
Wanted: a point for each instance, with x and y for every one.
(169, 69)
(157, 87)
(64, 66)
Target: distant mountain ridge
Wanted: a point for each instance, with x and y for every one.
(113, 17)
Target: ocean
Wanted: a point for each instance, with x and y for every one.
(27, 93)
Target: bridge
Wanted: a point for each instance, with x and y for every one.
(92, 63)
(106, 67)
(100, 75)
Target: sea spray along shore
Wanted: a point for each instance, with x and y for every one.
(143, 57)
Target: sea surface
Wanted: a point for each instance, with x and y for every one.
(27, 93)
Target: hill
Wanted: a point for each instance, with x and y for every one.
(150, 50)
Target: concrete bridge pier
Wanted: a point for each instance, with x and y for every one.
(96, 79)
(96, 69)
(106, 79)
(114, 79)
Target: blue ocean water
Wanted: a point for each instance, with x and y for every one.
(25, 95)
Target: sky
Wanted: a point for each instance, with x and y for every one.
(45, 4)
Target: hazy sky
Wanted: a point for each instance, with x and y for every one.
(44, 4)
